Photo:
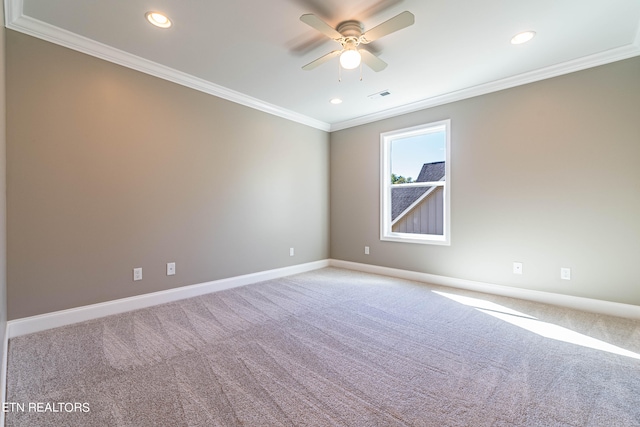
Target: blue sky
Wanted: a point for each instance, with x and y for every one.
(409, 154)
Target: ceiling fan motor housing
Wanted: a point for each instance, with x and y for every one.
(350, 29)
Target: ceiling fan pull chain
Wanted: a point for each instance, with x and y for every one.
(361, 71)
(339, 72)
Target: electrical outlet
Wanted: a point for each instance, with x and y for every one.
(291, 252)
(517, 268)
(565, 273)
(366, 250)
(171, 268)
(137, 274)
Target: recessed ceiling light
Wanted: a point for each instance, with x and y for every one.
(523, 37)
(336, 101)
(158, 19)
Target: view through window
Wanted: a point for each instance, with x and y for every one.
(415, 174)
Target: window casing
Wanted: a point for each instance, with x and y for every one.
(416, 210)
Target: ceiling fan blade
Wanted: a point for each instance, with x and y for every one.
(313, 64)
(372, 61)
(378, 7)
(313, 21)
(319, 7)
(301, 48)
(394, 24)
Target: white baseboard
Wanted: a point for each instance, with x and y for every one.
(28, 325)
(568, 301)
(46, 321)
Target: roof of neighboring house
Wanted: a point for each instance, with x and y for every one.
(403, 197)
(431, 172)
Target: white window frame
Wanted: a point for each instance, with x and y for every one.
(386, 139)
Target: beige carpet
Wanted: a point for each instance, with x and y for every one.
(331, 348)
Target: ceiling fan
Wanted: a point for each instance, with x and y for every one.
(351, 35)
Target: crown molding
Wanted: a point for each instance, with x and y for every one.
(602, 58)
(15, 20)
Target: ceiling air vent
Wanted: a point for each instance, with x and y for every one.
(379, 94)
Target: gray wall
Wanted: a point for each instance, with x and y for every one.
(3, 192)
(111, 169)
(547, 174)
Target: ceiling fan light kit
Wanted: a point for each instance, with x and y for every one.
(351, 36)
(350, 59)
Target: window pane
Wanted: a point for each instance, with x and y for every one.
(425, 217)
(420, 158)
(409, 156)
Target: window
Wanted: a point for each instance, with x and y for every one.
(415, 184)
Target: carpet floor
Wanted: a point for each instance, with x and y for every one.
(331, 347)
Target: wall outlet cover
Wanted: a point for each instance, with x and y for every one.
(517, 268)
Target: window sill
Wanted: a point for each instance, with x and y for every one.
(423, 239)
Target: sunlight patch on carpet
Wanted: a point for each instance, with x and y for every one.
(532, 324)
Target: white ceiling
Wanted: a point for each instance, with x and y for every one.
(252, 51)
